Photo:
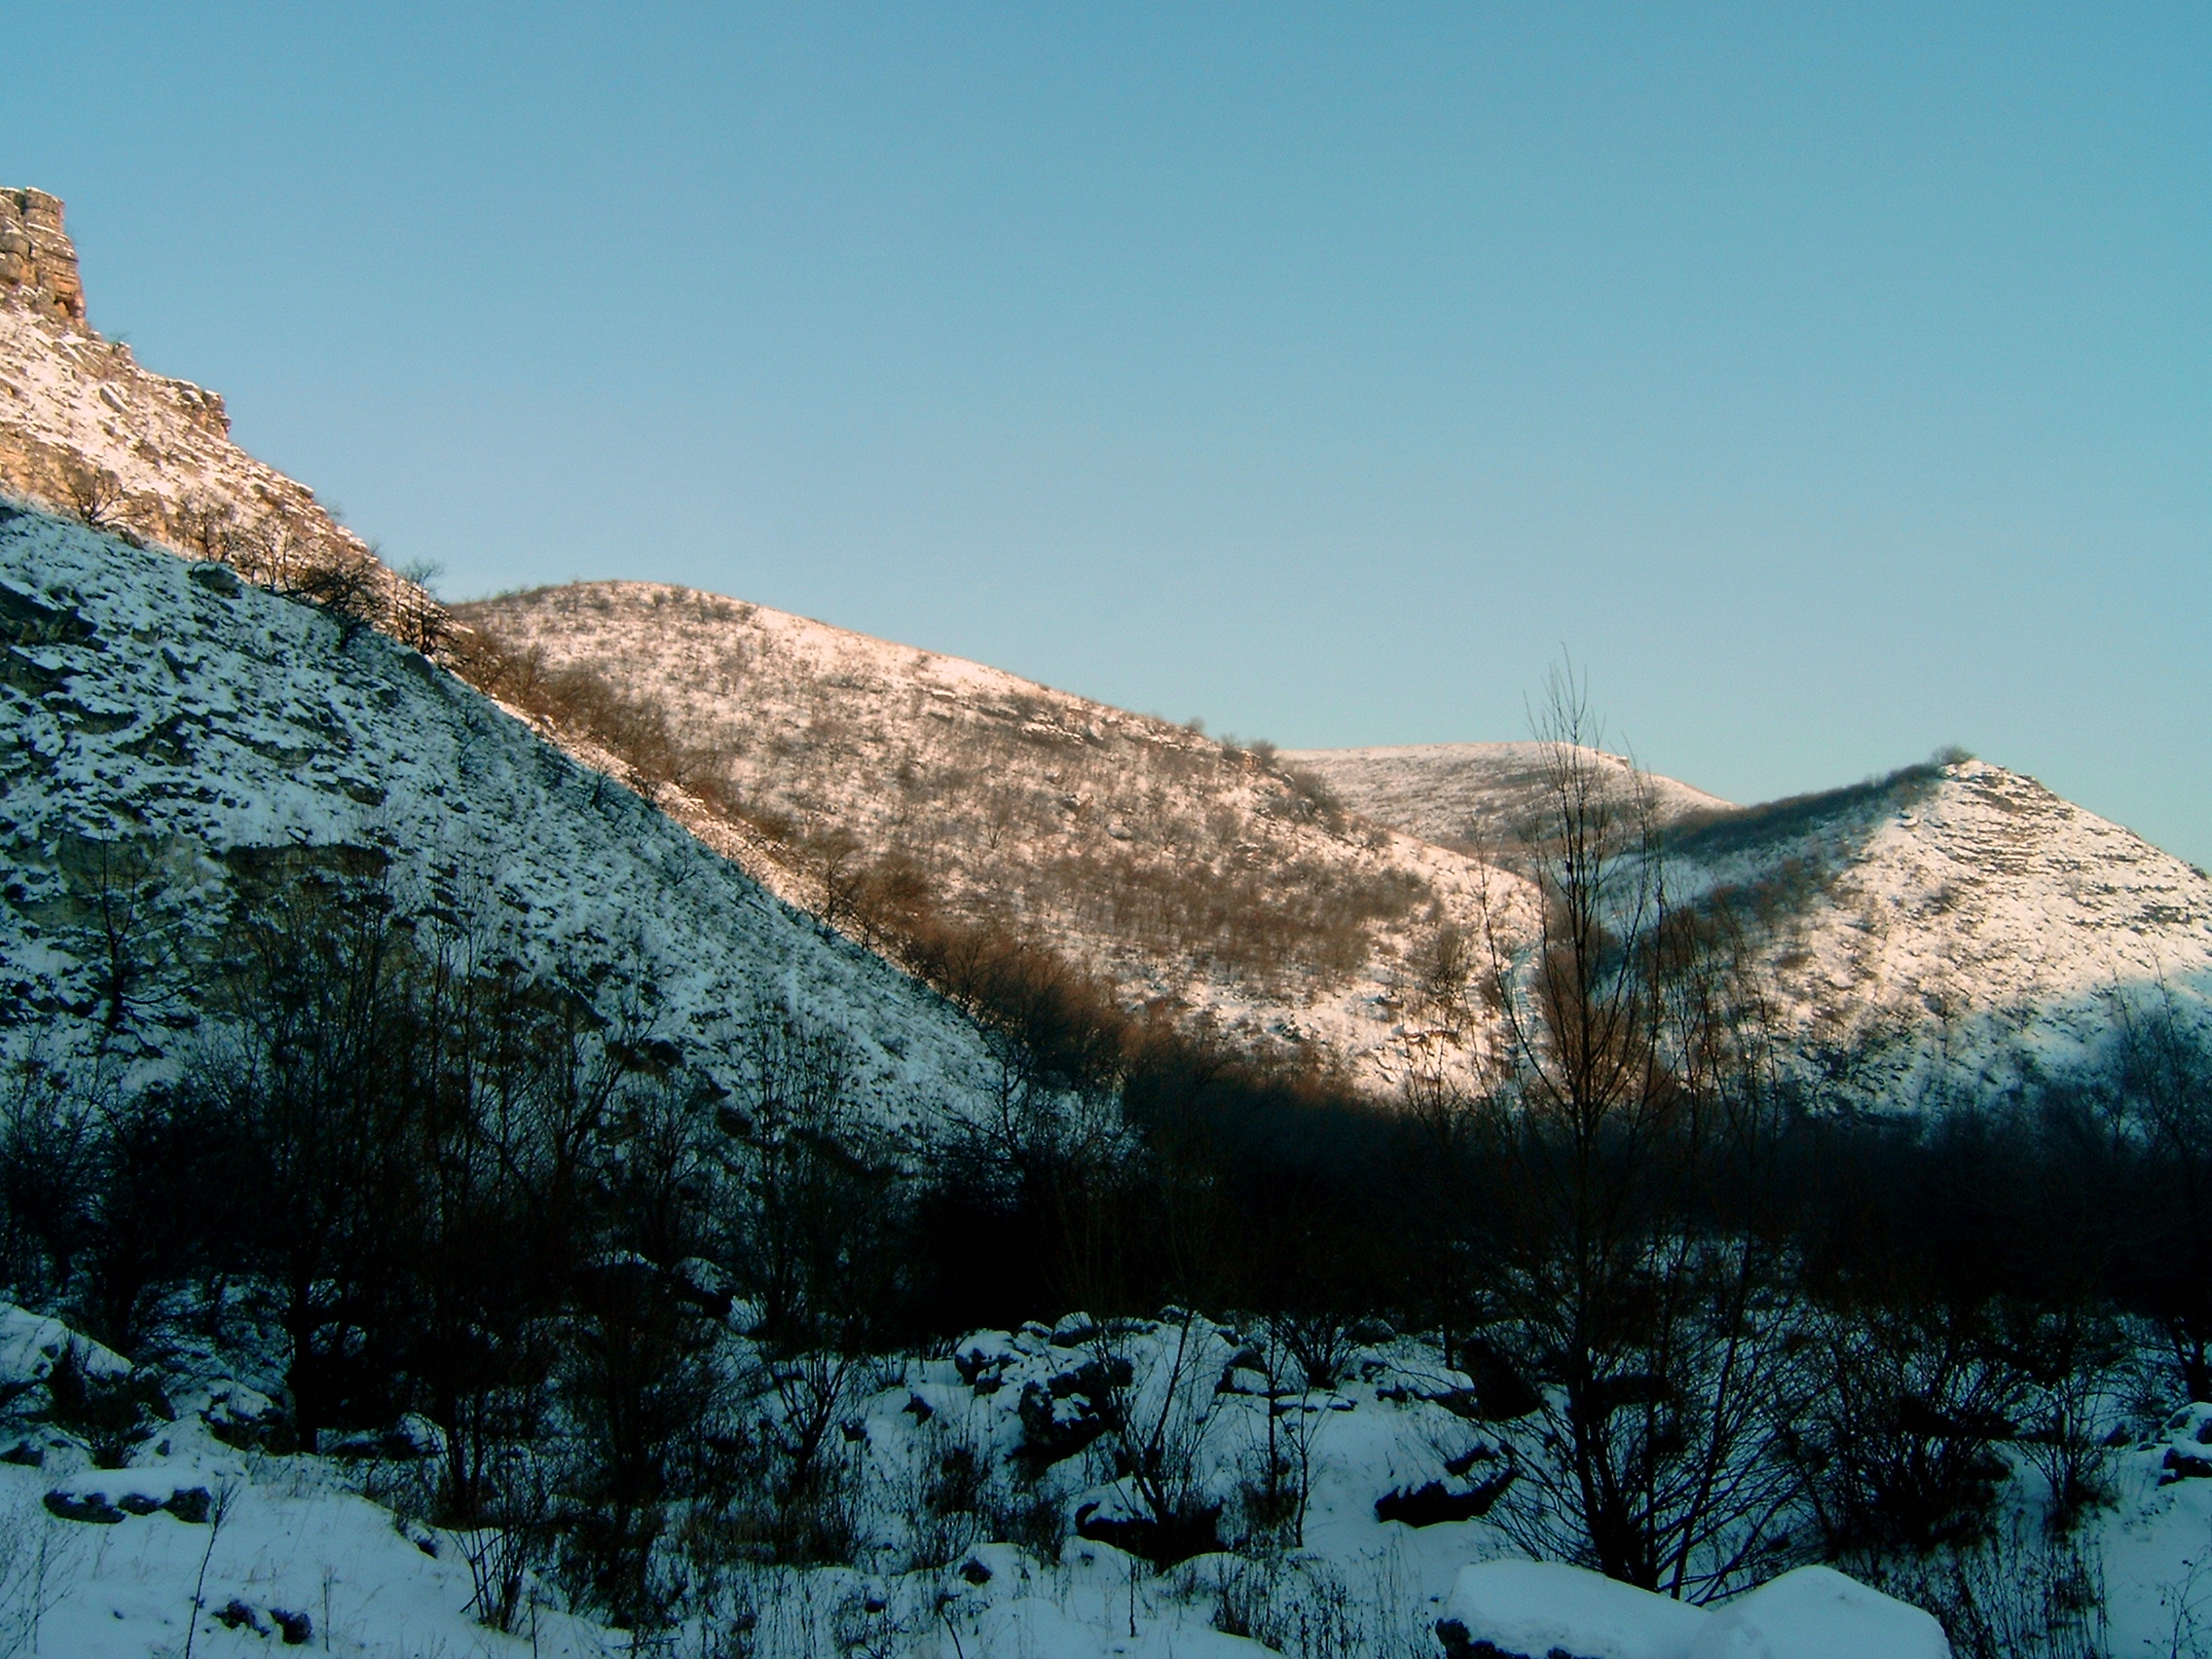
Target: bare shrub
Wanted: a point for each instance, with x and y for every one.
(49, 1152)
(510, 1534)
(2019, 1593)
(1306, 1608)
(1277, 1496)
(946, 1497)
(2071, 1357)
(1319, 1339)
(39, 1567)
(1160, 1406)
(95, 496)
(1899, 1445)
(347, 586)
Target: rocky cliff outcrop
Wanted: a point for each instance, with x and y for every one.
(37, 265)
(86, 431)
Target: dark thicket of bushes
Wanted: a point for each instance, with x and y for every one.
(501, 1201)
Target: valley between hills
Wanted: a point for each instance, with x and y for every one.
(614, 1119)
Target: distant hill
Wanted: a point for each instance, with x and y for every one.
(1935, 934)
(1956, 927)
(1215, 887)
(1467, 793)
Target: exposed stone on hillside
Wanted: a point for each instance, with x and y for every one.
(87, 433)
(38, 266)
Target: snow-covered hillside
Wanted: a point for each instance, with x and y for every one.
(1478, 794)
(1955, 924)
(1201, 880)
(1934, 935)
(166, 728)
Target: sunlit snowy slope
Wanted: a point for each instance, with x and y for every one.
(1958, 927)
(164, 728)
(1948, 930)
(1474, 793)
(1204, 881)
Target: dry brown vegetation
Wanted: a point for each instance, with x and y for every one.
(905, 798)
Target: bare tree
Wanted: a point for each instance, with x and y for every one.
(416, 617)
(96, 496)
(1637, 1293)
(130, 931)
(209, 529)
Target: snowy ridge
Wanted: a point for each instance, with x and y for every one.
(1943, 933)
(1477, 794)
(165, 712)
(1202, 881)
(1959, 923)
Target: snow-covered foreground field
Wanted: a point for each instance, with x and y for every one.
(965, 1541)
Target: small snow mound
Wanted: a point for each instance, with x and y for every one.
(1816, 1612)
(1536, 1608)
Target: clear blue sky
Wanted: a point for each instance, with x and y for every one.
(1835, 383)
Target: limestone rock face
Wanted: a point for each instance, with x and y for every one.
(37, 264)
(87, 433)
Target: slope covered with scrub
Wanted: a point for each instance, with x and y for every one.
(890, 788)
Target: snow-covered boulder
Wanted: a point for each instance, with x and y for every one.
(2184, 1451)
(31, 1344)
(1532, 1609)
(1526, 1609)
(1817, 1612)
(182, 1486)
